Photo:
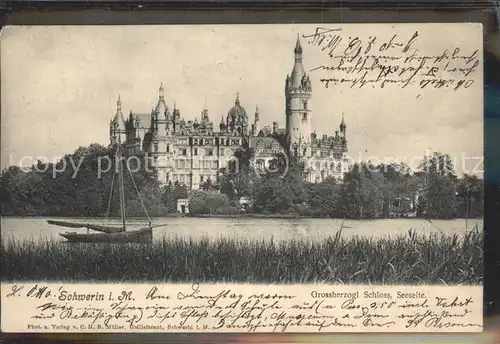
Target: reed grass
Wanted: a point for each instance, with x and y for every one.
(405, 259)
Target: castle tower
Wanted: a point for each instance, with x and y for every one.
(117, 127)
(343, 127)
(343, 133)
(298, 93)
(256, 121)
(160, 142)
(161, 112)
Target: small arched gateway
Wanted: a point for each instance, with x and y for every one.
(183, 205)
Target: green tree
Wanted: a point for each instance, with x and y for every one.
(209, 202)
(361, 192)
(171, 193)
(273, 195)
(439, 195)
(78, 184)
(470, 195)
(438, 163)
(207, 185)
(397, 183)
(236, 180)
(324, 198)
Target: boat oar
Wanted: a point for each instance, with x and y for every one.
(66, 224)
(155, 226)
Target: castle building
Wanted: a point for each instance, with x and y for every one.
(191, 152)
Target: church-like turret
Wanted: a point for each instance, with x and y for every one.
(117, 127)
(161, 112)
(343, 129)
(222, 126)
(255, 126)
(237, 118)
(161, 107)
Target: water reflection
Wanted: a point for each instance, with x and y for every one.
(249, 229)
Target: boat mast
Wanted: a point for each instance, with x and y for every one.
(120, 184)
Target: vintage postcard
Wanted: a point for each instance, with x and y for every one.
(242, 178)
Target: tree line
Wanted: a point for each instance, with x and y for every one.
(82, 186)
(367, 191)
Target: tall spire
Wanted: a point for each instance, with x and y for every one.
(298, 50)
(256, 113)
(119, 104)
(162, 90)
(296, 77)
(119, 116)
(342, 124)
(204, 112)
(237, 102)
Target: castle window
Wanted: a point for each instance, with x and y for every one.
(201, 179)
(195, 151)
(305, 104)
(168, 148)
(304, 117)
(183, 151)
(260, 165)
(209, 151)
(221, 152)
(304, 152)
(276, 147)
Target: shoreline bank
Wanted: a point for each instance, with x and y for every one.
(236, 216)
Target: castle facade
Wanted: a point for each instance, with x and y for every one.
(192, 152)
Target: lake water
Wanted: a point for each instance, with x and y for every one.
(36, 228)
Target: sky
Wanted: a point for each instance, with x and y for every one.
(60, 84)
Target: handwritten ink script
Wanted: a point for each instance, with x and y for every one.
(44, 307)
(398, 57)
